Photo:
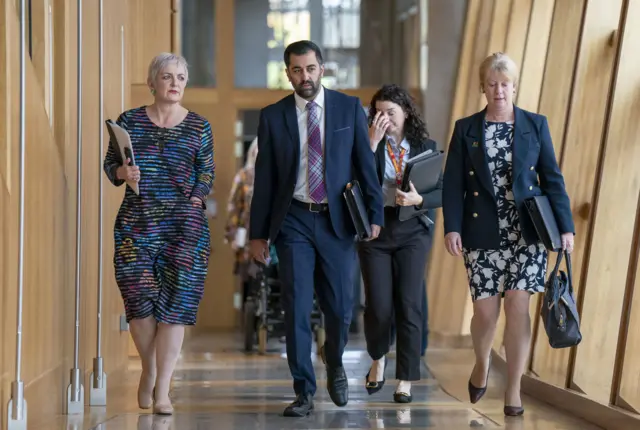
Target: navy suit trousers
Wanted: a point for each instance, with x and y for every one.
(311, 255)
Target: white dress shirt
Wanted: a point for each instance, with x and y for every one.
(302, 185)
(389, 184)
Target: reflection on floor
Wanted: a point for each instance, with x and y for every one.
(219, 387)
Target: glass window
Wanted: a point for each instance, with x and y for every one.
(333, 24)
(198, 47)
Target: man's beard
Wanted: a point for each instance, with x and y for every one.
(308, 92)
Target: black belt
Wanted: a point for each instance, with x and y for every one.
(311, 207)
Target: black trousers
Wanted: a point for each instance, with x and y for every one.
(393, 271)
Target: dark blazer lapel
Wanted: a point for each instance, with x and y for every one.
(291, 120)
(330, 111)
(477, 150)
(521, 142)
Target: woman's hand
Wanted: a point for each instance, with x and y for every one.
(453, 243)
(378, 128)
(196, 202)
(410, 198)
(128, 173)
(567, 242)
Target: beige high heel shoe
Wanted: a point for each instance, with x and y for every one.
(145, 401)
(163, 409)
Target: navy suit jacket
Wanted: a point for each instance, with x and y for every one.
(431, 199)
(469, 203)
(347, 156)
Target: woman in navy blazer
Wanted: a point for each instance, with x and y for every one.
(497, 159)
(393, 265)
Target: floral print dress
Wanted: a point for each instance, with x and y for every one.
(515, 265)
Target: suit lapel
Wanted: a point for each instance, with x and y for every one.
(291, 121)
(521, 142)
(330, 109)
(477, 151)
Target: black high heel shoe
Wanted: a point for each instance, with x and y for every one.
(375, 386)
(475, 393)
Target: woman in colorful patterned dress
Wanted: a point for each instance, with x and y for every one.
(161, 234)
(498, 158)
(238, 216)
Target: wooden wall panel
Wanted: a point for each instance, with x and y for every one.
(150, 27)
(586, 118)
(500, 25)
(518, 29)
(49, 287)
(533, 65)
(548, 363)
(450, 319)
(605, 280)
(475, 97)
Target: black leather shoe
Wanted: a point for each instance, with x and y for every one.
(476, 393)
(300, 407)
(338, 385)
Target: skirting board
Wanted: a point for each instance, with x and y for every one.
(605, 416)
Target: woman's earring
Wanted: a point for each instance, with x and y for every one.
(153, 92)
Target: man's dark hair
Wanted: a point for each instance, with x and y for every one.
(302, 47)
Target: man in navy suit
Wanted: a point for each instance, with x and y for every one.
(311, 144)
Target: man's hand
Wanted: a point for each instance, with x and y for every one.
(375, 232)
(259, 250)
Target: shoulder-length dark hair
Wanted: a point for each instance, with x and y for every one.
(415, 128)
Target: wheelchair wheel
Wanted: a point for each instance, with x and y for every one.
(320, 339)
(262, 340)
(249, 325)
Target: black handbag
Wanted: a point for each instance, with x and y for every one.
(559, 310)
(544, 221)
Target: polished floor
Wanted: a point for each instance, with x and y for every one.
(217, 386)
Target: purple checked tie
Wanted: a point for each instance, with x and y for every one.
(315, 161)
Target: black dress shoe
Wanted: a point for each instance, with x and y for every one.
(513, 411)
(400, 397)
(375, 386)
(476, 393)
(338, 385)
(300, 407)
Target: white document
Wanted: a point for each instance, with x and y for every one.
(121, 138)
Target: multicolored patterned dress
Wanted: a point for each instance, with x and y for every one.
(162, 239)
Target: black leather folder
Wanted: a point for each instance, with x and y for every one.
(544, 221)
(357, 209)
(423, 171)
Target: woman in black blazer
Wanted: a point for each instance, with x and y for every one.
(393, 265)
(497, 159)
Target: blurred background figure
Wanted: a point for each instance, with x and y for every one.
(238, 216)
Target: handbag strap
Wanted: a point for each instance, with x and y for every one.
(569, 273)
(554, 272)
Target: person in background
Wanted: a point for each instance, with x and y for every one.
(238, 215)
(498, 158)
(312, 144)
(393, 266)
(161, 235)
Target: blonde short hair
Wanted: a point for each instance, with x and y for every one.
(161, 61)
(501, 63)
